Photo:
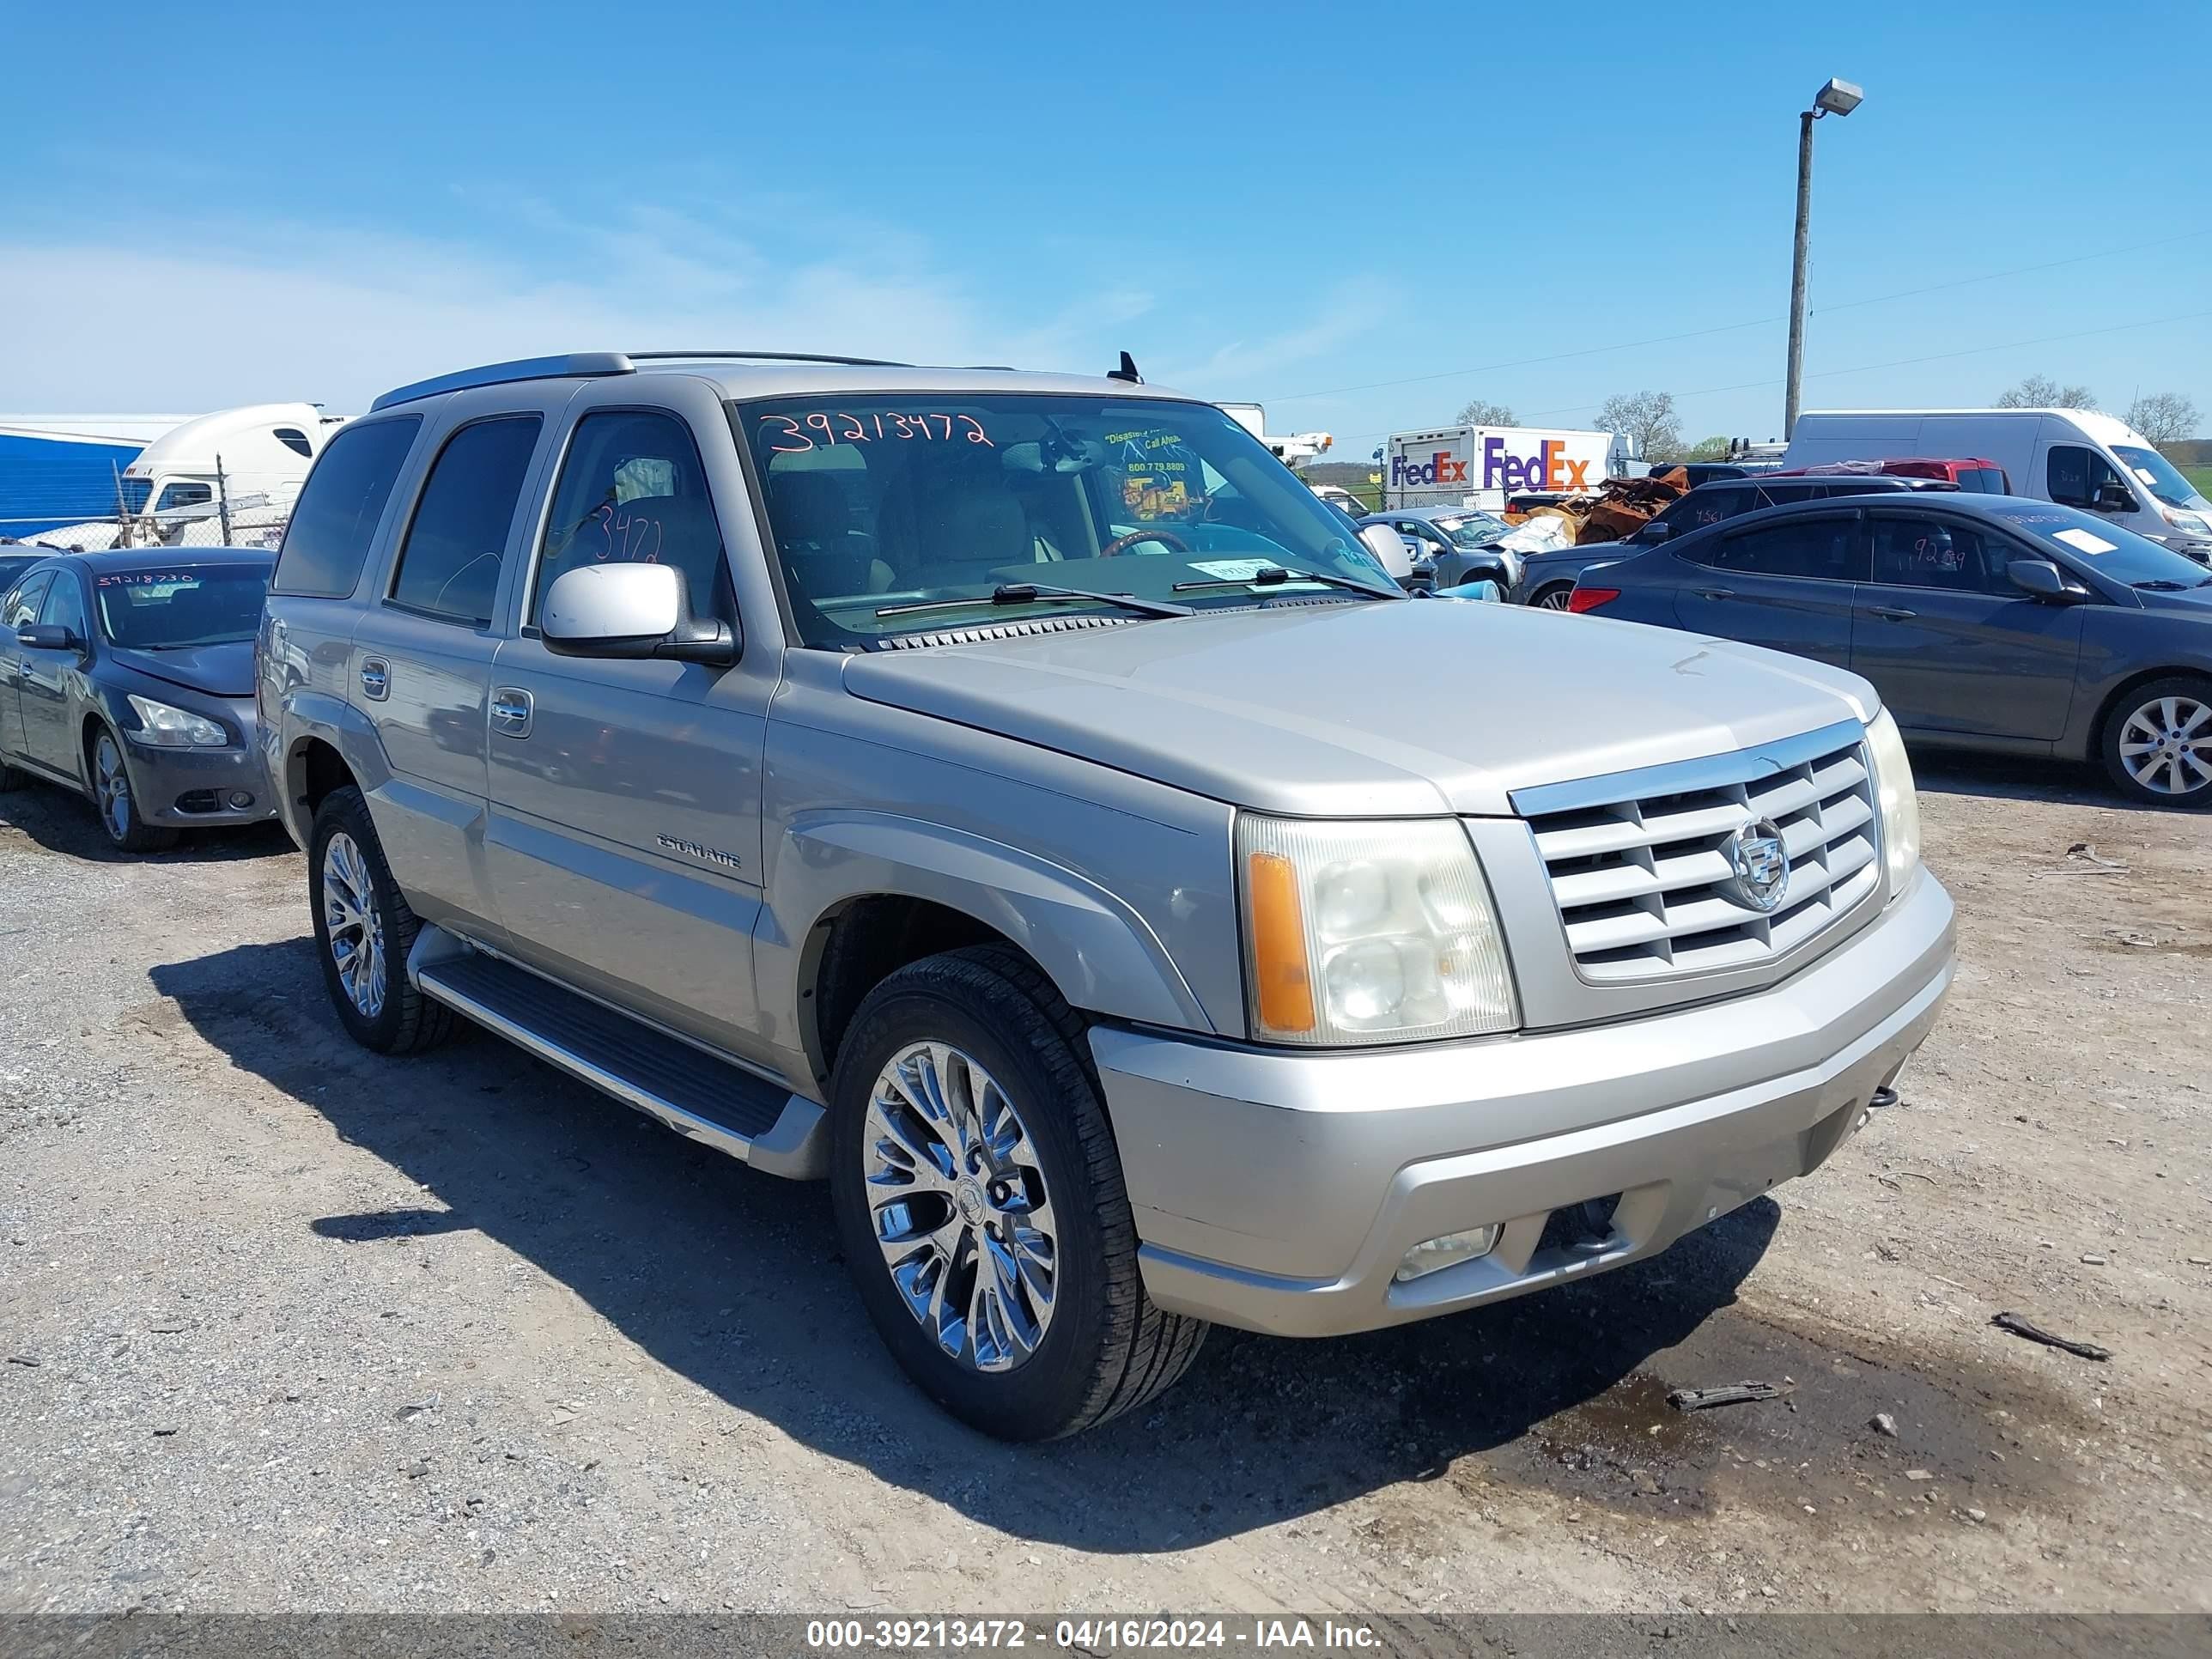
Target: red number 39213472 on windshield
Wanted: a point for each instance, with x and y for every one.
(824, 426)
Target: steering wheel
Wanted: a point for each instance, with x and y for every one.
(1121, 544)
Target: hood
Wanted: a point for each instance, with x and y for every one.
(1370, 710)
(222, 670)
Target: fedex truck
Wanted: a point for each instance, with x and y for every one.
(1482, 465)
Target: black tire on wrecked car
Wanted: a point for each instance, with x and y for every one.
(981, 1207)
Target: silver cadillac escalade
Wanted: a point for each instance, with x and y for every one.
(978, 789)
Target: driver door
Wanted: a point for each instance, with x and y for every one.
(22, 610)
(46, 679)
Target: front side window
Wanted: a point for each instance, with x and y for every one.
(23, 604)
(2074, 474)
(175, 607)
(1819, 549)
(450, 562)
(184, 495)
(881, 503)
(632, 491)
(64, 606)
(335, 519)
(1937, 553)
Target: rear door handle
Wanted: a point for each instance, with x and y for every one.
(510, 711)
(1892, 613)
(1715, 592)
(375, 677)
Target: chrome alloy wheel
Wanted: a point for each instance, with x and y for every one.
(1556, 600)
(2166, 745)
(112, 786)
(350, 920)
(959, 1207)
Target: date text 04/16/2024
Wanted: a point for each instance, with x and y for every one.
(1093, 1634)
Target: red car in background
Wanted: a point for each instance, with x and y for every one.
(1976, 476)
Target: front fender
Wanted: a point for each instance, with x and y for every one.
(1101, 955)
(305, 717)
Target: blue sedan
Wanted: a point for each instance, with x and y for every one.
(1985, 622)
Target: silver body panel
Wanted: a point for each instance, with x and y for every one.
(671, 839)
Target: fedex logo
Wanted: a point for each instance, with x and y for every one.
(1439, 469)
(1549, 468)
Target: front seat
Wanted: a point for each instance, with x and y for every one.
(969, 532)
(826, 555)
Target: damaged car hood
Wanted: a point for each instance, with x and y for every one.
(1370, 710)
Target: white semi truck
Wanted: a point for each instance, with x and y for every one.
(1483, 465)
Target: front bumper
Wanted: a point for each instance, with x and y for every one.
(1279, 1191)
(191, 789)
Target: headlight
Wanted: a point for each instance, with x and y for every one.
(175, 728)
(2192, 522)
(1900, 805)
(1378, 932)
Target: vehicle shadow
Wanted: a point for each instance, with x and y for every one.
(734, 1280)
(61, 821)
(2005, 777)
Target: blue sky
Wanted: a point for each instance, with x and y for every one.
(1287, 204)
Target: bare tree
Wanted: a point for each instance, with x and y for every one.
(1479, 412)
(1708, 449)
(2041, 392)
(1649, 421)
(2164, 417)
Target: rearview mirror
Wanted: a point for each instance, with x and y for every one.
(2040, 578)
(47, 636)
(1388, 549)
(631, 612)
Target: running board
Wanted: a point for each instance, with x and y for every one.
(691, 1090)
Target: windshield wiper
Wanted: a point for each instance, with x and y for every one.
(2163, 585)
(1275, 576)
(1032, 593)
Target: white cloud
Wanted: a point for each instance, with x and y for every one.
(236, 314)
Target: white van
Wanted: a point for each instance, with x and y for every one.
(2076, 456)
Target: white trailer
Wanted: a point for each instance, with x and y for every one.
(1482, 465)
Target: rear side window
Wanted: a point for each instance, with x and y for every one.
(1822, 548)
(449, 564)
(632, 491)
(1984, 480)
(336, 518)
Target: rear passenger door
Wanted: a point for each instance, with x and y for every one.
(625, 838)
(1947, 640)
(1787, 584)
(423, 652)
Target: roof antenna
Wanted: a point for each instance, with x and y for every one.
(1126, 371)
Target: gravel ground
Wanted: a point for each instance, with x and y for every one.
(287, 1326)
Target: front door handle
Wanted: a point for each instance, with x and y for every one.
(375, 677)
(1893, 612)
(1715, 592)
(510, 711)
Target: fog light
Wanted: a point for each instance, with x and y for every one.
(1448, 1251)
(239, 800)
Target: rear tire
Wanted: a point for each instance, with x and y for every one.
(2157, 742)
(1064, 1337)
(364, 929)
(115, 798)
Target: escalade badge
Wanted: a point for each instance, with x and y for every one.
(1756, 855)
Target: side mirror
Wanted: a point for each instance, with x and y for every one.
(47, 636)
(631, 612)
(2042, 579)
(1388, 549)
(1653, 532)
(2114, 498)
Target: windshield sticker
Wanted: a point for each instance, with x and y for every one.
(839, 426)
(2149, 477)
(2083, 541)
(1234, 570)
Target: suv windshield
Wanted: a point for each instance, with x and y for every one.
(2159, 475)
(171, 607)
(2103, 546)
(879, 502)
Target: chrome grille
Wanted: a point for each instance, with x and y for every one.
(1641, 873)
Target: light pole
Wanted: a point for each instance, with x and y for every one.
(1837, 98)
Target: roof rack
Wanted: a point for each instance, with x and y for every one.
(597, 364)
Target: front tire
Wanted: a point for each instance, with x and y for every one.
(117, 801)
(980, 1203)
(364, 929)
(2157, 743)
(1553, 599)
